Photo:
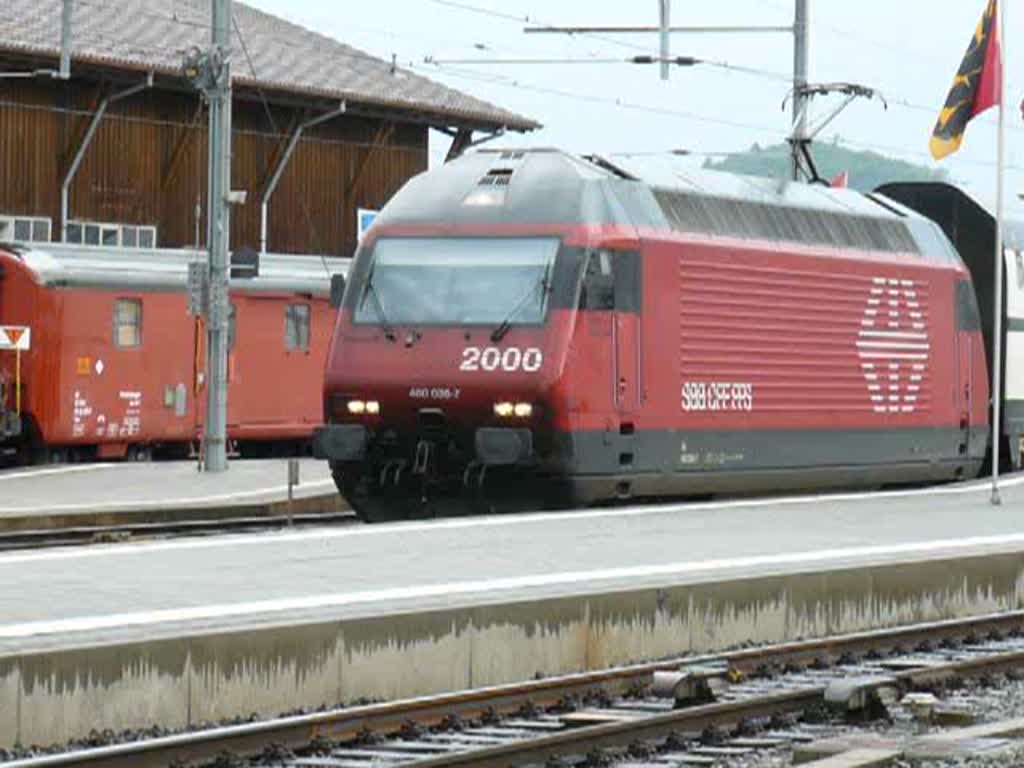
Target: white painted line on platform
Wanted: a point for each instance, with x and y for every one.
(493, 521)
(166, 501)
(56, 471)
(492, 587)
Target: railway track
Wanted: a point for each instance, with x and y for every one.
(98, 534)
(615, 709)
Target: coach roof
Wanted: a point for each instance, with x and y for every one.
(57, 265)
(151, 35)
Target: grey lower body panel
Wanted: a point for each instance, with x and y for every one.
(583, 468)
(604, 465)
(589, 489)
(687, 451)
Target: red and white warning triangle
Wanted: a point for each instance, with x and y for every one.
(15, 337)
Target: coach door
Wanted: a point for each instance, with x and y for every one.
(626, 339)
(200, 393)
(965, 390)
(968, 324)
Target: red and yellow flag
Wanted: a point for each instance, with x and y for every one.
(977, 86)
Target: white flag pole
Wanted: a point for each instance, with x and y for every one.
(997, 311)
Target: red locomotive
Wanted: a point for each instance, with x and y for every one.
(533, 326)
(116, 364)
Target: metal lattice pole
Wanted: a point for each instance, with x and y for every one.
(801, 49)
(67, 13)
(219, 232)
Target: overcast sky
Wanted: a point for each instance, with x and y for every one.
(909, 50)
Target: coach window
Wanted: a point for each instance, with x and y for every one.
(128, 323)
(296, 327)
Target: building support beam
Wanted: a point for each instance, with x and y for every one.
(382, 137)
(460, 142)
(90, 134)
(78, 127)
(462, 139)
(298, 116)
(170, 171)
(282, 164)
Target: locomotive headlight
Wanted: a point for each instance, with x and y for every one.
(504, 410)
(359, 407)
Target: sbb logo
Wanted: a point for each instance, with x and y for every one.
(509, 360)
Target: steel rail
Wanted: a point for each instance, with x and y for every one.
(580, 741)
(38, 538)
(349, 723)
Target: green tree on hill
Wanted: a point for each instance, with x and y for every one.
(867, 170)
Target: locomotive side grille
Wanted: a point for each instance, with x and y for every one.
(806, 340)
(751, 220)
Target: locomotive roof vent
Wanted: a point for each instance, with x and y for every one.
(493, 186)
(497, 177)
(756, 220)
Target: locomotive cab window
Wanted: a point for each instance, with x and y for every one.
(296, 327)
(598, 290)
(457, 281)
(611, 281)
(128, 323)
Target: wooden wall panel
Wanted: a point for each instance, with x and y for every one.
(147, 165)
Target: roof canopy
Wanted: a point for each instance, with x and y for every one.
(151, 35)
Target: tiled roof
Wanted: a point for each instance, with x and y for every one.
(153, 34)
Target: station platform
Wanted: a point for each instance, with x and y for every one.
(94, 495)
(186, 631)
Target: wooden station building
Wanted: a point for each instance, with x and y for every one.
(117, 153)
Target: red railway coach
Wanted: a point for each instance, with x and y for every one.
(116, 364)
(533, 325)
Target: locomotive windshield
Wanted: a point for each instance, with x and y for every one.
(457, 281)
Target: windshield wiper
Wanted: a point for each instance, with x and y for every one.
(370, 289)
(506, 325)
